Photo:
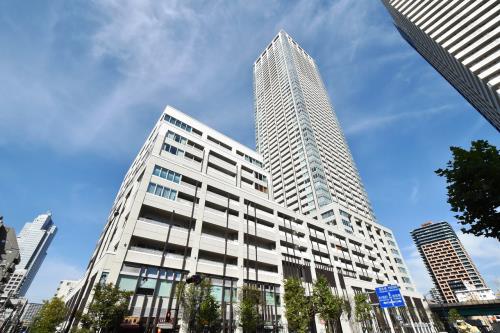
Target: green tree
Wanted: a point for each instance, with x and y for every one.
(326, 304)
(473, 178)
(362, 310)
(454, 316)
(297, 306)
(49, 317)
(200, 308)
(107, 309)
(209, 314)
(250, 300)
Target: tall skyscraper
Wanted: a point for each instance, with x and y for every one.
(447, 261)
(34, 240)
(196, 202)
(300, 138)
(460, 40)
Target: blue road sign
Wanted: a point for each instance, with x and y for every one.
(390, 296)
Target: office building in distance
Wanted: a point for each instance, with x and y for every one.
(448, 263)
(34, 241)
(460, 40)
(197, 202)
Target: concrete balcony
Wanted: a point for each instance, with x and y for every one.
(264, 276)
(174, 260)
(265, 216)
(317, 234)
(262, 231)
(217, 245)
(271, 257)
(218, 218)
(222, 200)
(143, 256)
(222, 164)
(221, 176)
(216, 268)
(155, 231)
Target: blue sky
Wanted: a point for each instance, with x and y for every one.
(83, 82)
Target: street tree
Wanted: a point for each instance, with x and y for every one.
(362, 311)
(209, 314)
(327, 305)
(473, 178)
(49, 317)
(250, 300)
(454, 316)
(297, 306)
(108, 307)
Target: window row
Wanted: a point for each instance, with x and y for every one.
(176, 137)
(167, 174)
(162, 191)
(173, 150)
(178, 123)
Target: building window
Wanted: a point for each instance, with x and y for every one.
(178, 123)
(173, 150)
(176, 137)
(162, 191)
(167, 174)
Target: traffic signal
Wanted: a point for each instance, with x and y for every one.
(196, 279)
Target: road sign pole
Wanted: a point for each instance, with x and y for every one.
(388, 319)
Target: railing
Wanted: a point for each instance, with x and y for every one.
(145, 250)
(220, 239)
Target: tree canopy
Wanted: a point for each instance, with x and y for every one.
(250, 300)
(297, 306)
(49, 317)
(473, 178)
(326, 304)
(107, 309)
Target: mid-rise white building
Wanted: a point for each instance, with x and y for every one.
(196, 201)
(65, 289)
(472, 293)
(460, 39)
(34, 241)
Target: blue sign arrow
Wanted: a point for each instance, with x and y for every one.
(389, 296)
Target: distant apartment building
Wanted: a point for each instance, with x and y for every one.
(65, 289)
(460, 40)
(196, 201)
(9, 253)
(448, 263)
(34, 240)
(30, 312)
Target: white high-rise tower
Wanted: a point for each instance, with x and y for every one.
(300, 138)
(460, 39)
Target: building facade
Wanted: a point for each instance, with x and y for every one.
(195, 201)
(448, 263)
(65, 289)
(34, 241)
(30, 312)
(9, 253)
(460, 40)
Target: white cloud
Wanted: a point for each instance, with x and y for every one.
(415, 188)
(383, 121)
(47, 279)
(99, 90)
(482, 250)
(418, 272)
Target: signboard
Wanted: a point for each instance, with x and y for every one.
(389, 296)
